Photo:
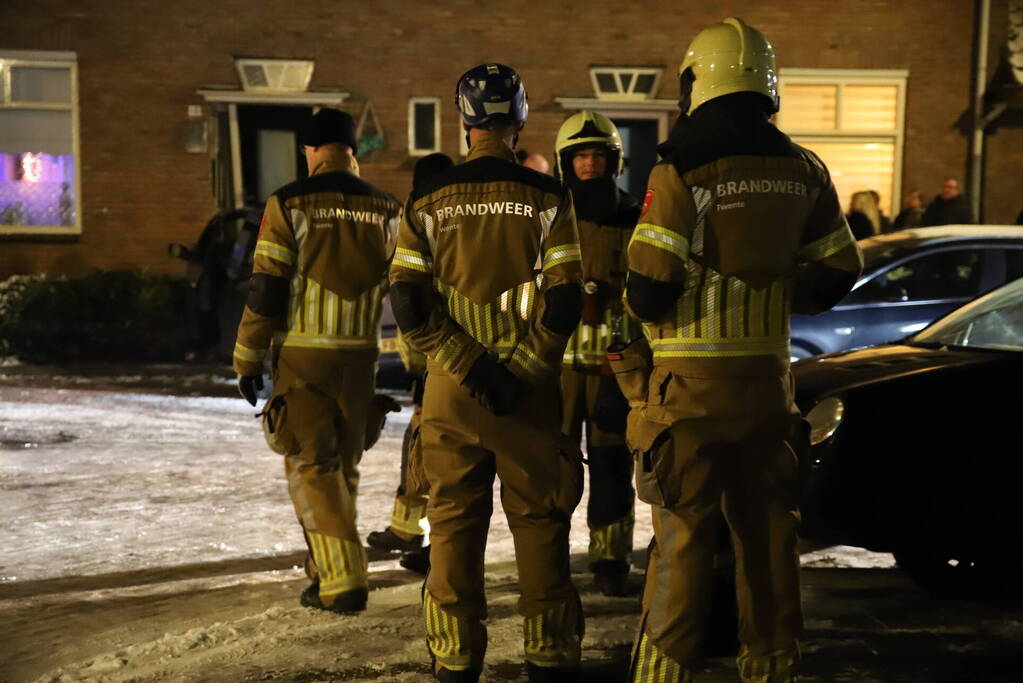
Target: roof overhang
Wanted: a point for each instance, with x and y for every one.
(213, 95)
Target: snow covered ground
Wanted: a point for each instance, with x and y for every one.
(150, 537)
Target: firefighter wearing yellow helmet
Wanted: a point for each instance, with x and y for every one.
(588, 159)
(740, 228)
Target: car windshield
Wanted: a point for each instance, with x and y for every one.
(994, 321)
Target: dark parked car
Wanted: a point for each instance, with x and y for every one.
(910, 279)
(916, 447)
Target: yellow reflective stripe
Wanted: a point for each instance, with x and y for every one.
(662, 238)
(496, 325)
(529, 361)
(653, 666)
(251, 355)
(406, 519)
(444, 636)
(413, 259)
(318, 341)
(585, 356)
(740, 346)
(275, 251)
(563, 253)
(736, 293)
(614, 541)
(830, 244)
(330, 311)
(711, 326)
(339, 563)
(312, 307)
(550, 639)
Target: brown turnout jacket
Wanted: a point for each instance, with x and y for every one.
(485, 242)
(320, 266)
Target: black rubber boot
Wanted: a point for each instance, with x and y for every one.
(611, 577)
(390, 541)
(348, 602)
(417, 561)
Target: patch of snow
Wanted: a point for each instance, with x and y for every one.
(847, 557)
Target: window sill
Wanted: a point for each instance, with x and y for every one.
(15, 233)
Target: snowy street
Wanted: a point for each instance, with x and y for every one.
(148, 536)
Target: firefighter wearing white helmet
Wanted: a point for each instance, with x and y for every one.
(740, 228)
(588, 158)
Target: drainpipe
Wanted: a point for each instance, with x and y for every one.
(977, 153)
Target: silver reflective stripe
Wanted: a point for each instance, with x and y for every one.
(547, 220)
(300, 223)
(702, 199)
(430, 227)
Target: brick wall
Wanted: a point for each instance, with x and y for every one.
(141, 63)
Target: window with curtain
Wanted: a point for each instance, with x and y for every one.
(38, 144)
(853, 120)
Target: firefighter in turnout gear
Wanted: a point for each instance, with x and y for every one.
(318, 281)
(404, 532)
(588, 159)
(740, 227)
(486, 283)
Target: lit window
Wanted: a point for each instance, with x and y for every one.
(625, 83)
(853, 120)
(423, 125)
(39, 184)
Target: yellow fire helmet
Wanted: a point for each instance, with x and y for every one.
(586, 129)
(726, 58)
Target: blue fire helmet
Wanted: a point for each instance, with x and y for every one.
(491, 93)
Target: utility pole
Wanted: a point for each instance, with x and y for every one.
(976, 187)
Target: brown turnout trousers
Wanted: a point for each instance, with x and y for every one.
(610, 510)
(717, 436)
(320, 425)
(410, 500)
(464, 447)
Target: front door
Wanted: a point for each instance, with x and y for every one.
(639, 138)
(270, 155)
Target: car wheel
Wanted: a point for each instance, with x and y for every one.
(960, 574)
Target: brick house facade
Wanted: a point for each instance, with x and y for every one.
(141, 65)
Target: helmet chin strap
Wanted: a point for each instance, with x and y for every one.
(685, 90)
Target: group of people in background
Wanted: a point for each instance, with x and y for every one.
(949, 207)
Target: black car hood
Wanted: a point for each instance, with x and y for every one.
(836, 372)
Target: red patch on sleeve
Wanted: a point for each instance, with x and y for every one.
(647, 200)
(259, 233)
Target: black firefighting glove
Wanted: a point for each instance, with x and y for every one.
(493, 385)
(249, 386)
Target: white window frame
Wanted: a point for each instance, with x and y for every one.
(624, 94)
(40, 59)
(423, 151)
(841, 78)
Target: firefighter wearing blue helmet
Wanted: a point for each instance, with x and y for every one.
(486, 283)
